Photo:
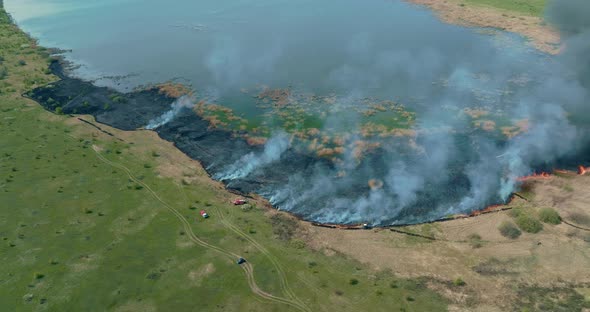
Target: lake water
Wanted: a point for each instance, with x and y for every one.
(351, 49)
(389, 48)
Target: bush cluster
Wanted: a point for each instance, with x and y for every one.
(550, 216)
(529, 224)
(508, 229)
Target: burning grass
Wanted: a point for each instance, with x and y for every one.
(119, 229)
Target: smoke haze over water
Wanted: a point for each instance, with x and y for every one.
(392, 51)
(460, 170)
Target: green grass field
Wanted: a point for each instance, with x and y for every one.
(81, 233)
(528, 7)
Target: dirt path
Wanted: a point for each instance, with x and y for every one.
(541, 36)
(247, 267)
(284, 284)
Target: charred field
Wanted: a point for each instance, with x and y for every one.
(270, 167)
(85, 224)
(380, 127)
(373, 125)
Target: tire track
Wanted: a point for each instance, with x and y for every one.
(246, 267)
(284, 284)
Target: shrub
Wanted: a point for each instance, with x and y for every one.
(509, 230)
(297, 244)
(39, 275)
(154, 275)
(580, 218)
(475, 241)
(3, 73)
(459, 282)
(550, 216)
(28, 297)
(22, 62)
(353, 281)
(516, 212)
(529, 224)
(283, 227)
(118, 99)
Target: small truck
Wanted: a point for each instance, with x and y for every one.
(239, 201)
(204, 214)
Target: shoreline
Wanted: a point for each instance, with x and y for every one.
(537, 33)
(461, 265)
(58, 71)
(165, 100)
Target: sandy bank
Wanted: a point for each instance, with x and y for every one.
(540, 35)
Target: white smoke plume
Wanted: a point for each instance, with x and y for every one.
(177, 106)
(273, 149)
(460, 169)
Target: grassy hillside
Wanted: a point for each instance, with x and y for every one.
(528, 7)
(92, 222)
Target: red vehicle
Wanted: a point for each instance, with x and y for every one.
(204, 214)
(239, 201)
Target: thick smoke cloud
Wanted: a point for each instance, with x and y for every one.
(571, 17)
(437, 70)
(357, 50)
(457, 170)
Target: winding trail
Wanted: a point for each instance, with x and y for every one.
(284, 284)
(247, 267)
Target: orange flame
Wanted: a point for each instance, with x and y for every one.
(542, 175)
(487, 210)
(582, 170)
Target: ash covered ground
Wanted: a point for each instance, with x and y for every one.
(472, 124)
